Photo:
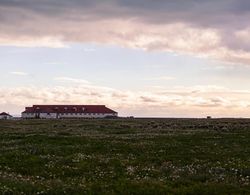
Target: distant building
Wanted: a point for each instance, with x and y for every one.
(5, 116)
(68, 111)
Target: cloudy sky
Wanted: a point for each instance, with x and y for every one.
(182, 58)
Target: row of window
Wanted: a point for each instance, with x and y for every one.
(81, 114)
(71, 113)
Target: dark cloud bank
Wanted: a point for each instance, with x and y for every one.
(212, 13)
(117, 21)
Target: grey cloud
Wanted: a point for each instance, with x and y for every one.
(200, 12)
(148, 99)
(79, 21)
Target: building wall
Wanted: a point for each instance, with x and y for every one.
(66, 115)
(28, 115)
(85, 115)
(5, 117)
(39, 115)
(48, 115)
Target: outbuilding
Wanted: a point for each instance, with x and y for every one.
(5, 116)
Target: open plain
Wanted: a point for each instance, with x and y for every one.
(125, 156)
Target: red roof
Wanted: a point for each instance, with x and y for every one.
(69, 109)
(4, 114)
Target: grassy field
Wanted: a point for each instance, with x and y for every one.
(125, 156)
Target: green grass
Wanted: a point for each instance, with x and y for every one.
(129, 156)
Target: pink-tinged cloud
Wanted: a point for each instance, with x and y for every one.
(193, 101)
(214, 29)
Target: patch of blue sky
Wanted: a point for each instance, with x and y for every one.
(116, 67)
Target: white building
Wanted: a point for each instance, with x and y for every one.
(5, 116)
(67, 111)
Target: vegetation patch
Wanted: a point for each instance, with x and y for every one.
(125, 156)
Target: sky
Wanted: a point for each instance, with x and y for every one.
(145, 58)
